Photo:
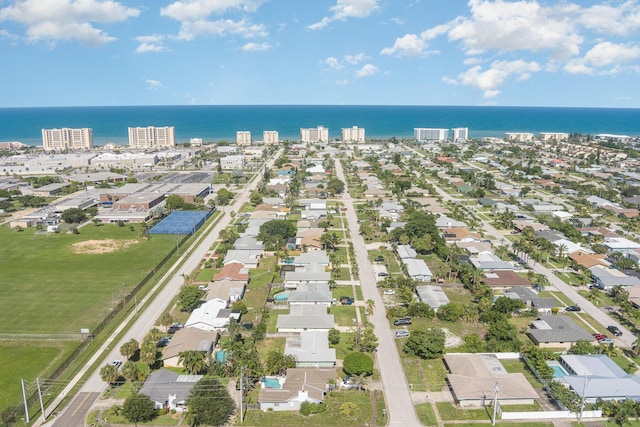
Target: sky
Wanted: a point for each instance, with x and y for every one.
(579, 53)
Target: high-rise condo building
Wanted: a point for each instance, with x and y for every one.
(152, 137)
(518, 136)
(243, 137)
(460, 134)
(554, 136)
(353, 134)
(430, 134)
(67, 139)
(319, 134)
(270, 137)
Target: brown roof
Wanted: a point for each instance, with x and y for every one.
(232, 271)
(314, 381)
(602, 231)
(190, 339)
(506, 278)
(589, 260)
(457, 233)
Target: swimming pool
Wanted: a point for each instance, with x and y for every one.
(271, 383)
(282, 296)
(558, 371)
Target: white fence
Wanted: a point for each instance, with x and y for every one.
(548, 415)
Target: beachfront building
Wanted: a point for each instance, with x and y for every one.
(243, 137)
(554, 136)
(518, 136)
(353, 134)
(67, 139)
(152, 137)
(270, 137)
(195, 142)
(312, 135)
(430, 134)
(460, 134)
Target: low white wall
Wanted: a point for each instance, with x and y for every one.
(548, 415)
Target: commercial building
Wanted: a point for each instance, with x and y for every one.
(152, 137)
(67, 139)
(243, 137)
(233, 162)
(460, 134)
(518, 136)
(554, 136)
(319, 134)
(270, 137)
(353, 134)
(430, 134)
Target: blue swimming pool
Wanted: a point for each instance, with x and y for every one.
(282, 296)
(271, 383)
(558, 371)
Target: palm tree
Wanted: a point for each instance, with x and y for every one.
(130, 370)
(330, 240)
(361, 381)
(193, 361)
(129, 348)
(370, 306)
(109, 374)
(148, 352)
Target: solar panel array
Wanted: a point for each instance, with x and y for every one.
(181, 222)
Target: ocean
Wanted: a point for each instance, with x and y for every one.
(220, 123)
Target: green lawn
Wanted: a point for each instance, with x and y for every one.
(426, 415)
(273, 319)
(340, 291)
(46, 287)
(412, 372)
(343, 314)
(343, 347)
(435, 373)
(206, 274)
(448, 412)
(333, 416)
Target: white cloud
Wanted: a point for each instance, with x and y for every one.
(220, 28)
(256, 47)
(607, 53)
(195, 10)
(342, 82)
(153, 43)
(54, 20)
(398, 21)
(410, 45)
(489, 80)
(367, 70)
(355, 59)
(608, 19)
(153, 84)
(333, 63)
(345, 9)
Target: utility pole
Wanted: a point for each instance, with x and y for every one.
(44, 415)
(241, 394)
(495, 402)
(24, 399)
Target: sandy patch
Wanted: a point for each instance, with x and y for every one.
(101, 246)
(451, 339)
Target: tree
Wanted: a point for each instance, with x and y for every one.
(148, 352)
(450, 312)
(330, 240)
(73, 216)
(277, 362)
(255, 199)
(358, 363)
(109, 374)
(364, 338)
(193, 361)
(224, 196)
(129, 348)
(139, 408)
(189, 297)
(502, 336)
(166, 319)
(508, 306)
(209, 403)
(130, 370)
(274, 233)
(174, 202)
(335, 186)
(420, 309)
(425, 343)
(334, 336)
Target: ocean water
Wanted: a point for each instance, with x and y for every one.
(220, 123)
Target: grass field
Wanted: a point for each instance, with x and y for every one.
(48, 288)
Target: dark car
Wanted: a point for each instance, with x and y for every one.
(379, 258)
(383, 274)
(402, 321)
(573, 308)
(614, 330)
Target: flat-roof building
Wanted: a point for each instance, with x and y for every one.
(67, 139)
(319, 134)
(270, 137)
(518, 136)
(352, 134)
(152, 137)
(460, 134)
(243, 137)
(554, 136)
(430, 134)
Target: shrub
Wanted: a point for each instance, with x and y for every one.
(357, 364)
(308, 408)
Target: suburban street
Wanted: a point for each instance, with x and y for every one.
(400, 409)
(146, 320)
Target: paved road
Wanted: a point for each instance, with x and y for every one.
(400, 409)
(170, 284)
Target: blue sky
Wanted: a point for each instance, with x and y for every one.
(358, 52)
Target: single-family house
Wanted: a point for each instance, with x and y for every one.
(305, 317)
(313, 273)
(557, 332)
(406, 252)
(607, 278)
(168, 389)
(311, 349)
(311, 293)
(211, 316)
(417, 269)
(489, 261)
(504, 279)
(236, 272)
(249, 258)
(432, 295)
(300, 385)
(188, 339)
(531, 299)
(228, 290)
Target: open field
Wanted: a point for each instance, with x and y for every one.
(60, 283)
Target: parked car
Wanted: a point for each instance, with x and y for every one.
(599, 337)
(379, 258)
(383, 274)
(389, 292)
(573, 308)
(402, 334)
(402, 321)
(163, 342)
(203, 288)
(116, 363)
(605, 341)
(614, 330)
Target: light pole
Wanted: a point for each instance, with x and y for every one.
(495, 402)
(584, 390)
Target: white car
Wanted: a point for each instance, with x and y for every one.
(402, 334)
(389, 292)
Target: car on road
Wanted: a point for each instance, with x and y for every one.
(614, 330)
(389, 292)
(116, 363)
(605, 340)
(383, 274)
(573, 308)
(402, 334)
